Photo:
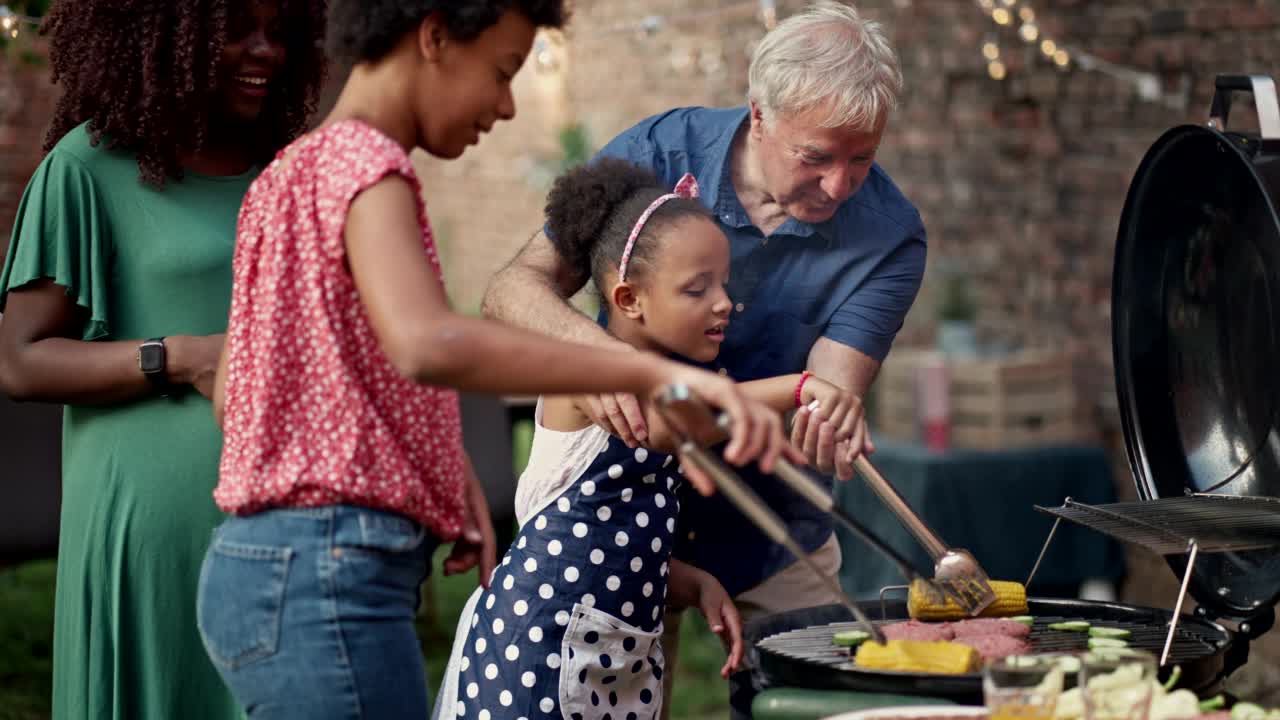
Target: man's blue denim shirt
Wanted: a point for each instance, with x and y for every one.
(851, 279)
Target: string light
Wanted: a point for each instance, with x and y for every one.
(11, 22)
(1147, 85)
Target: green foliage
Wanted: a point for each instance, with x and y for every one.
(575, 146)
(955, 303)
(26, 640)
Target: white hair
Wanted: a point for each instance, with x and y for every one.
(827, 53)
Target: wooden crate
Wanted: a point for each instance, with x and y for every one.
(1015, 401)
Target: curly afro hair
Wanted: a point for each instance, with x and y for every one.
(366, 30)
(142, 73)
(591, 210)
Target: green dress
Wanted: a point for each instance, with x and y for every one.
(137, 478)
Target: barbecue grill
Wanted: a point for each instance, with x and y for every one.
(1196, 335)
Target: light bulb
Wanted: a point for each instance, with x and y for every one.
(996, 70)
(990, 50)
(1048, 47)
(1029, 32)
(1061, 58)
(1026, 14)
(1001, 16)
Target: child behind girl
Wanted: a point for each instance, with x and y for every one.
(570, 626)
(342, 464)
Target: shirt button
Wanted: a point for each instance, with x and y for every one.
(722, 372)
(739, 307)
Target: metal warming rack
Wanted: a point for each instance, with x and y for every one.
(1174, 526)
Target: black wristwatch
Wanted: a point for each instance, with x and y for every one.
(152, 361)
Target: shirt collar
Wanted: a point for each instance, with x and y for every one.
(726, 205)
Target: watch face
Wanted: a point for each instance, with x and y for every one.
(151, 358)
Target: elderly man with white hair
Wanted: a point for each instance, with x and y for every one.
(827, 257)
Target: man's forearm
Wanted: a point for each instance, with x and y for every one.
(518, 296)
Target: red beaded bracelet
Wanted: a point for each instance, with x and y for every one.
(800, 386)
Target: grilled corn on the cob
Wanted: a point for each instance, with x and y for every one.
(1011, 599)
(918, 656)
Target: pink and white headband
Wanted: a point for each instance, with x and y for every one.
(687, 188)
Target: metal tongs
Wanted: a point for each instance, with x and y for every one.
(955, 571)
(676, 404)
(957, 574)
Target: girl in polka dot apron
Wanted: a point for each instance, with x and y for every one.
(342, 464)
(570, 625)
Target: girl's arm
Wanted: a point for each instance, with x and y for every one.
(42, 358)
(688, 586)
(840, 410)
(428, 342)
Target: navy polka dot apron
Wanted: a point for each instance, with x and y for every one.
(570, 626)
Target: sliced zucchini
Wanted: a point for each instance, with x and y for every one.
(850, 638)
(1247, 711)
(1070, 625)
(1024, 619)
(1102, 642)
(1106, 632)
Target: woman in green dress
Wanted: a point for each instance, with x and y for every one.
(115, 292)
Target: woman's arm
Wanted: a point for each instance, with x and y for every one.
(428, 342)
(42, 358)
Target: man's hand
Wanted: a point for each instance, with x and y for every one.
(476, 545)
(618, 414)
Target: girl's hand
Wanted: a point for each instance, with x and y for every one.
(831, 427)
(476, 545)
(722, 616)
(755, 432)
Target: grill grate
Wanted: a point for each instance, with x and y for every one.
(1217, 523)
(813, 644)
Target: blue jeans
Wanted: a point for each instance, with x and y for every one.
(308, 613)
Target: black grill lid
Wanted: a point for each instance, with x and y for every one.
(1196, 330)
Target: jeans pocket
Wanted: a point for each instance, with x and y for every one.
(240, 601)
(609, 667)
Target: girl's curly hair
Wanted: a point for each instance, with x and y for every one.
(592, 208)
(142, 73)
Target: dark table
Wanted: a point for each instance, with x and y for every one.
(982, 501)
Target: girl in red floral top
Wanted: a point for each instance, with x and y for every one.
(342, 463)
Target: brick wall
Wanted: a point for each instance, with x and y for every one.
(26, 107)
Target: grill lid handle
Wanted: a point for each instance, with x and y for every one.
(1264, 97)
